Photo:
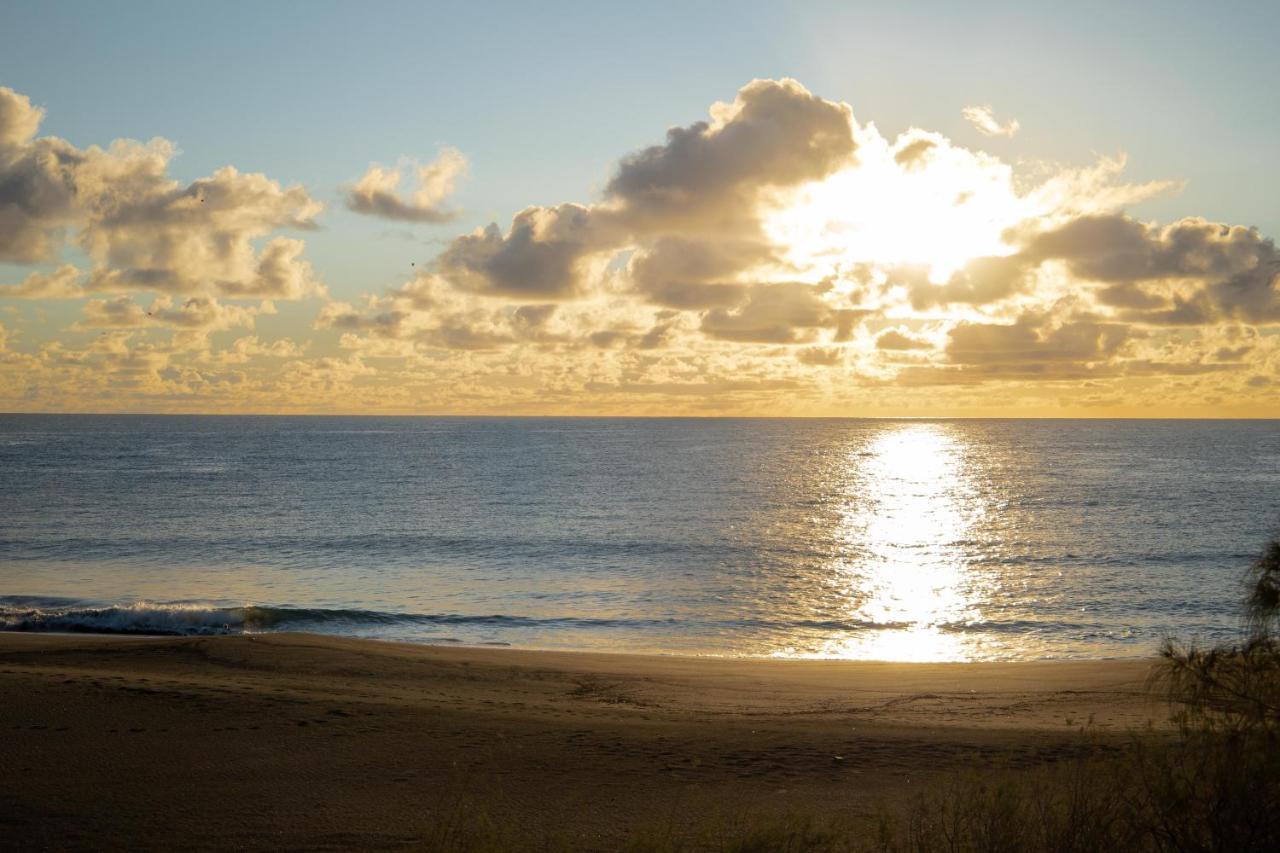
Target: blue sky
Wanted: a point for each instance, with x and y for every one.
(544, 98)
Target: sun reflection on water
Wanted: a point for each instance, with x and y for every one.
(909, 511)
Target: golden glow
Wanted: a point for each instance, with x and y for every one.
(911, 506)
(950, 209)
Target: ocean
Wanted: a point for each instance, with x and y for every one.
(866, 539)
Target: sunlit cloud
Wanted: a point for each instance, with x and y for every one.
(983, 118)
(780, 255)
(377, 191)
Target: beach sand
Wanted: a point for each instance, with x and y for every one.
(300, 741)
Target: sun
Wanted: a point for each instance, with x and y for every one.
(940, 211)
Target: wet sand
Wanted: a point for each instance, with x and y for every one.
(295, 741)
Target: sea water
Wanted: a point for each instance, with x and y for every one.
(872, 539)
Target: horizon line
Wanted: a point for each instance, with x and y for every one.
(635, 417)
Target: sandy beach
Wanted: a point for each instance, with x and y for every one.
(300, 741)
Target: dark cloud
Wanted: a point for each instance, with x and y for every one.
(685, 273)
(1034, 340)
(781, 313)
(541, 257)
(774, 134)
(979, 282)
(1232, 270)
(706, 178)
(38, 192)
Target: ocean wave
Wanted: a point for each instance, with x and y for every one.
(36, 614)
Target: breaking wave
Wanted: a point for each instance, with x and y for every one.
(30, 614)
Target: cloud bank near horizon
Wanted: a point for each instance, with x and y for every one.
(777, 256)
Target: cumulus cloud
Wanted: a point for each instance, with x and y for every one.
(983, 118)
(707, 178)
(897, 339)
(142, 229)
(775, 247)
(197, 313)
(1189, 272)
(1034, 340)
(37, 188)
(912, 150)
(19, 120)
(780, 223)
(62, 283)
(429, 312)
(980, 281)
(680, 272)
(820, 356)
(780, 313)
(251, 348)
(543, 256)
(280, 274)
(158, 235)
(775, 133)
(377, 192)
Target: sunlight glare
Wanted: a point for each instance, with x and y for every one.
(943, 214)
(912, 507)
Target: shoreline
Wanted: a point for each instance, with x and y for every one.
(318, 741)
(460, 644)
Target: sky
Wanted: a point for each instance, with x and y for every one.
(835, 209)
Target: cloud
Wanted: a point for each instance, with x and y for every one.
(913, 150)
(429, 312)
(280, 274)
(896, 339)
(980, 281)
(820, 356)
(376, 193)
(780, 313)
(1034, 340)
(198, 313)
(19, 120)
(685, 273)
(542, 256)
(774, 134)
(983, 118)
(707, 178)
(140, 228)
(38, 198)
(157, 235)
(775, 256)
(1190, 272)
(62, 283)
(691, 227)
(697, 389)
(251, 348)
